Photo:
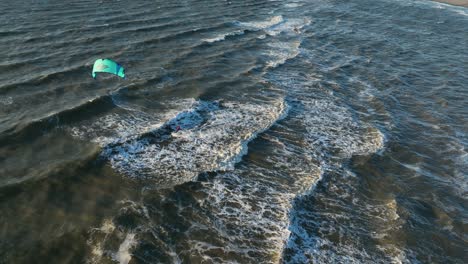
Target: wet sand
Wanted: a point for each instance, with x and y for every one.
(454, 2)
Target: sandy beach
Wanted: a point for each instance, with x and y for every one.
(454, 2)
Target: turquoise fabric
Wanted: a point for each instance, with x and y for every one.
(109, 66)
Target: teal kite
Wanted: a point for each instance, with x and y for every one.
(109, 66)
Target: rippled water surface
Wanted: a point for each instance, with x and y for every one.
(311, 131)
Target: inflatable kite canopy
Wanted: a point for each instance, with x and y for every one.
(109, 66)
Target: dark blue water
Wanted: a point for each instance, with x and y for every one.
(310, 132)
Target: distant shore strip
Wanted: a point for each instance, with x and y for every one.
(454, 2)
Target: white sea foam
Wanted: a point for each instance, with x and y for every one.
(461, 179)
(223, 36)
(258, 25)
(280, 52)
(274, 26)
(254, 26)
(6, 100)
(102, 239)
(332, 129)
(123, 255)
(293, 5)
(96, 245)
(462, 12)
(107, 227)
(126, 124)
(290, 26)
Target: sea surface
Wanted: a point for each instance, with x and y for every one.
(311, 131)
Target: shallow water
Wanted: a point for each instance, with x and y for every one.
(311, 131)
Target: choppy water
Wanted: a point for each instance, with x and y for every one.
(311, 132)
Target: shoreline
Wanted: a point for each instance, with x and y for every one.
(463, 3)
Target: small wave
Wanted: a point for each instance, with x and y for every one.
(127, 123)
(435, 4)
(280, 52)
(48, 76)
(31, 162)
(223, 36)
(313, 226)
(293, 5)
(272, 27)
(462, 12)
(278, 24)
(250, 26)
(258, 25)
(291, 26)
(52, 120)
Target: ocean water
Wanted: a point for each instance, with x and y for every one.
(311, 131)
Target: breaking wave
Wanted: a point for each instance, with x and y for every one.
(208, 136)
